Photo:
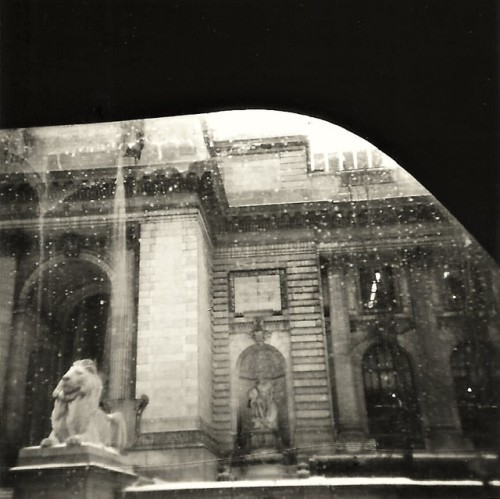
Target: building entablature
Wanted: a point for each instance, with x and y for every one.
(83, 193)
(397, 211)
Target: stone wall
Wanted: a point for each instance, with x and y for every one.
(297, 333)
(266, 178)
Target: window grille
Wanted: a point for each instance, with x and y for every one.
(378, 291)
(453, 287)
(471, 364)
(391, 401)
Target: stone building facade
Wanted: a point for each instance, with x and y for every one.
(256, 307)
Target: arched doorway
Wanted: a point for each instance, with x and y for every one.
(262, 400)
(87, 323)
(477, 403)
(391, 401)
(68, 303)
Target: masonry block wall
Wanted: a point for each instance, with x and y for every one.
(301, 324)
(283, 177)
(173, 353)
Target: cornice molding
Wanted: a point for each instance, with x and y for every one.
(326, 215)
(65, 193)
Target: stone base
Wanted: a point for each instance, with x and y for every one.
(353, 441)
(447, 439)
(264, 471)
(79, 472)
(177, 465)
(262, 464)
(313, 441)
(264, 439)
(6, 493)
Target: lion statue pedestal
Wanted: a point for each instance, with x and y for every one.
(81, 458)
(83, 471)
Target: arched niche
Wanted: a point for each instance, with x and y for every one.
(67, 301)
(262, 400)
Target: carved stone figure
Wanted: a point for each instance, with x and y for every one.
(77, 418)
(263, 406)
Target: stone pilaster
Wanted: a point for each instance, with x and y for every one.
(174, 353)
(436, 391)
(351, 424)
(308, 356)
(174, 350)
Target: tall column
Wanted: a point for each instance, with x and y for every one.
(8, 273)
(120, 341)
(436, 391)
(351, 417)
(23, 333)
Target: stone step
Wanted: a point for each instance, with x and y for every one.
(6, 493)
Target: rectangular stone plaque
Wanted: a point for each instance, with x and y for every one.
(255, 292)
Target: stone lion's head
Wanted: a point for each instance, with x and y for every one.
(81, 381)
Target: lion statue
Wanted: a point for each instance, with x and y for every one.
(77, 418)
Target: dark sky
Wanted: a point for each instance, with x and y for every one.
(415, 78)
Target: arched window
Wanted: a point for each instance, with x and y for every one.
(471, 364)
(391, 401)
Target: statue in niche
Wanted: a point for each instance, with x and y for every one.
(262, 404)
(263, 417)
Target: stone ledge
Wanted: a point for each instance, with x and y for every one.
(71, 455)
(176, 440)
(422, 464)
(317, 487)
